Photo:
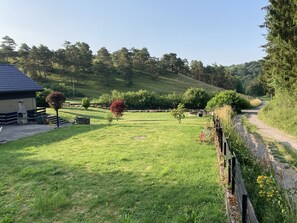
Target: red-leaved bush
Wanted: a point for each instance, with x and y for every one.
(56, 100)
(117, 108)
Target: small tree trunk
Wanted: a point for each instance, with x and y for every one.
(58, 124)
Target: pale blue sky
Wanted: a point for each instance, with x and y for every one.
(222, 31)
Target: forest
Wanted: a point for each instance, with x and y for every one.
(78, 63)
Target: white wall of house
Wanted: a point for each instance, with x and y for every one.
(12, 105)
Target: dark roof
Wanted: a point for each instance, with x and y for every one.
(12, 80)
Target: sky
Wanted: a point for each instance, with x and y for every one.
(225, 32)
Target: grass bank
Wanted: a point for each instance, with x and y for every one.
(143, 168)
(281, 112)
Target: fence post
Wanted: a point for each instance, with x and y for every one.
(229, 171)
(220, 138)
(225, 153)
(221, 142)
(233, 174)
(244, 209)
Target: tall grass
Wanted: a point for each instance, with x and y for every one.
(255, 102)
(281, 112)
(269, 207)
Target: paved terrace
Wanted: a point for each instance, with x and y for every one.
(14, 132)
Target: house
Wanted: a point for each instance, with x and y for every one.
(16, 89)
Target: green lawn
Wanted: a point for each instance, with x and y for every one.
(144, 168)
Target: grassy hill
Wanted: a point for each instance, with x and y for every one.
(93, 87)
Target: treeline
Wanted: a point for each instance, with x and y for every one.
(77, 63)
(250, 78)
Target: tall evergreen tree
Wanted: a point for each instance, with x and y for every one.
(23, 54)
(103, 65)
(7, 49)
(123, 61)
(280, 64)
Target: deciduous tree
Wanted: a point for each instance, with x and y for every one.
(55, 100)
(117, 108)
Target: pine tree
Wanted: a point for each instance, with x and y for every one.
(280, 64)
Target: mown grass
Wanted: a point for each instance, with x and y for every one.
(143, 168)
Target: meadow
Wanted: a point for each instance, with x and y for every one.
(166, 83)
(143, 168)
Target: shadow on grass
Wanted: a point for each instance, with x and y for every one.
(75, 113)
(149, 120)
(57, 191)
(54, 136)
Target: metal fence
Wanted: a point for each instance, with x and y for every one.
(235, 179)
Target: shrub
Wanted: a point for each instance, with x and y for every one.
(41, 96)
(117, 108)
(105, 99)
(140, 100)
(195, 98)
(115, 95)
(228, 97)
(109, 118)
(85, 102)
(171, 100)
(178, 113)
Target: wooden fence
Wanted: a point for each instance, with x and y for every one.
(35, 113)
(235, 179)
(12, 117)
(8, 118)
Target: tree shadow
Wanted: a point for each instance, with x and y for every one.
(82, 114)
(54, 136)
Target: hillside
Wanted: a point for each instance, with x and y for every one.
(166, 83)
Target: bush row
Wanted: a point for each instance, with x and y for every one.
(193, 98)
(143, 99)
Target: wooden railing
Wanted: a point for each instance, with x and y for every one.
(12, 117)
(33, 114)
(235, 179)
(8, 118)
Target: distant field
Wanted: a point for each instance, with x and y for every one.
(143, 168)
(93, 88)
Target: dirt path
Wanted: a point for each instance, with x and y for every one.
(270, 132)
(286, 175)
